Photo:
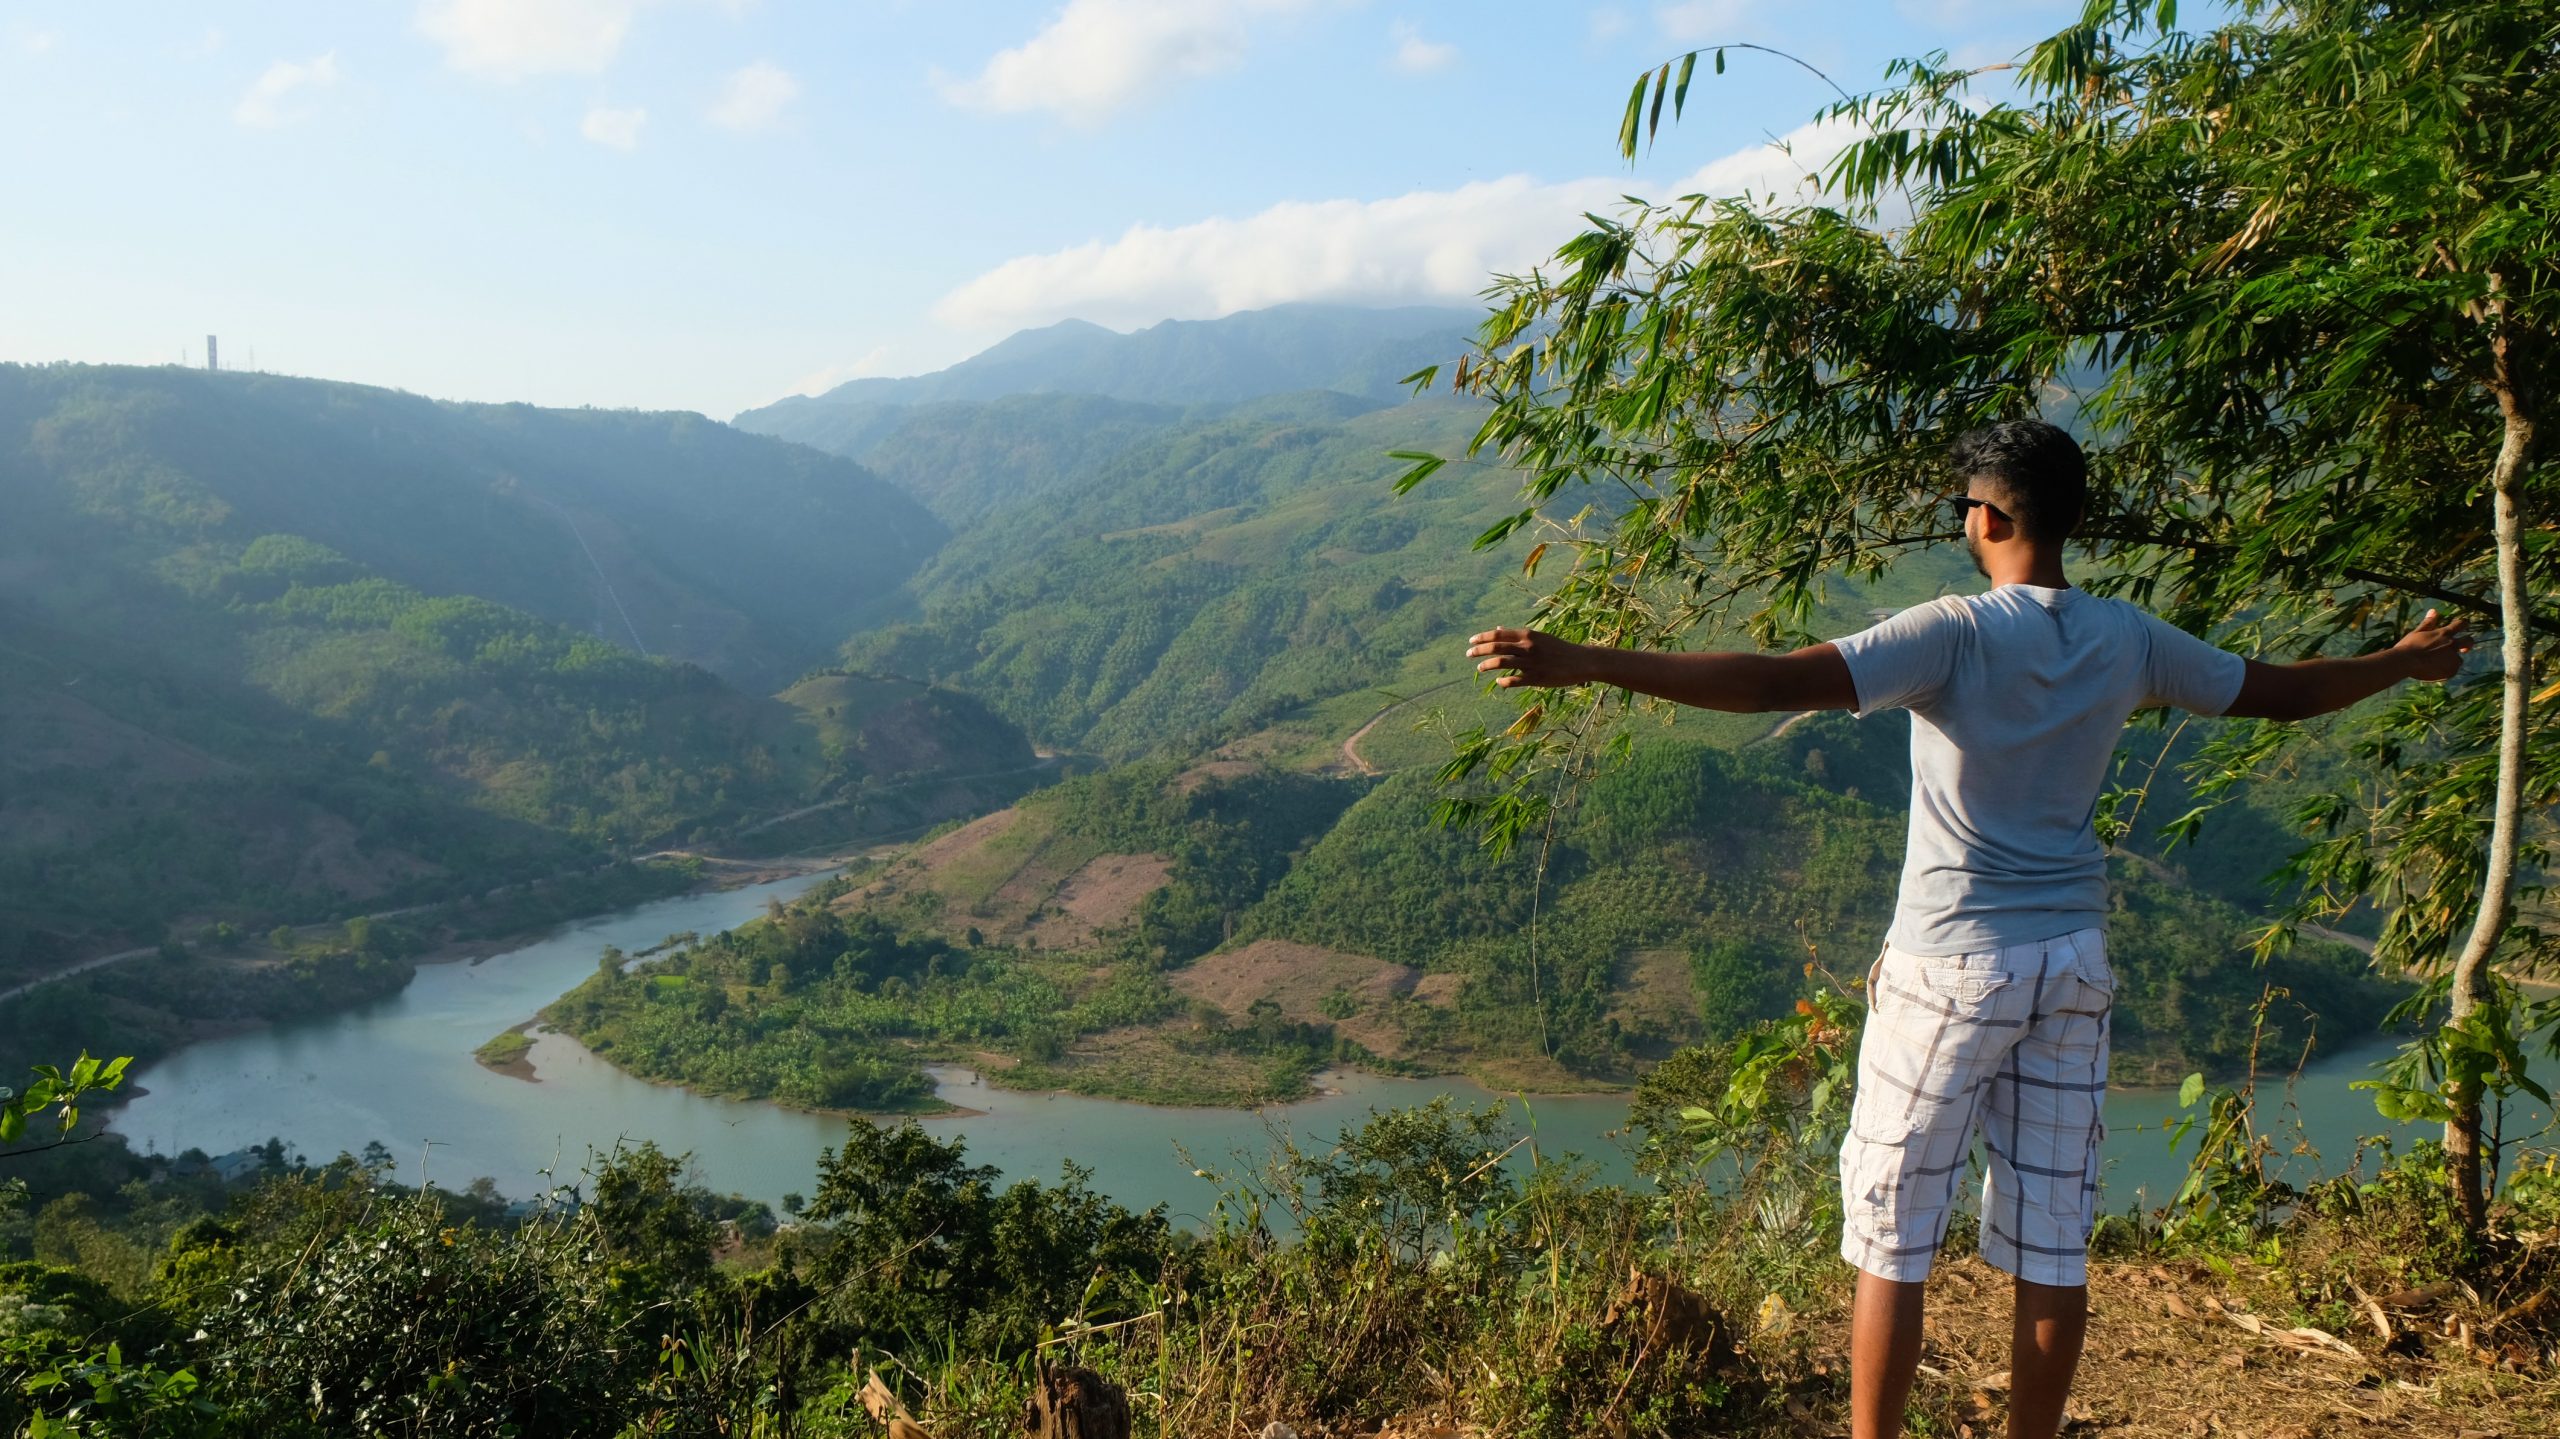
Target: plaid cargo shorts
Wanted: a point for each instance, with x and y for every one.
(2013, 1041)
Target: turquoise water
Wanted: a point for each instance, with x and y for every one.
(401, 1071)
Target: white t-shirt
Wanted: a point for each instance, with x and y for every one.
(2017, 698)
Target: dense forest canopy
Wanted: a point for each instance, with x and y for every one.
(283, 650)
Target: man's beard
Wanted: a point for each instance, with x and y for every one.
(1973, 548)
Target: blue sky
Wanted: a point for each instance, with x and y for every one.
(706, 204)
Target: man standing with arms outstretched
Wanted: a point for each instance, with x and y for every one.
(1989, 1006)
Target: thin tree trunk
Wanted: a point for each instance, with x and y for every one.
(2471, 974)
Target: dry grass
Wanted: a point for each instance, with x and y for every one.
(2173, 1353)
(2177, 1352)
(1656, 999)
(1298, 978)
(1103, 893)
(1438, 989)
(1145, 1062)
(1212, 770)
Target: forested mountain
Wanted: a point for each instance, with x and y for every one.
(1357, 351)
(1206, 579)
(276, 648)
(963, 459)
(666, 533)
(1214, 596)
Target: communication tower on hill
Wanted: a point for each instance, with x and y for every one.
(212, 353)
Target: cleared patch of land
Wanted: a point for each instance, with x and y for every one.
(1012, 877)
(1149, 1062)
(1655, 999)
(1354, 993)
(1440, 990)
(1103, 894)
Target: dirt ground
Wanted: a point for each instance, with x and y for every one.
(2174, 1354)
(1104, 892)
(1297, 977)
(2171, 1355)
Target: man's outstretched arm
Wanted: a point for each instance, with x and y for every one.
(2305, 688)
(1813, 678)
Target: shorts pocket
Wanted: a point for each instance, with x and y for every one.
(1875, 1187)
(1965, 991)
(2089, 962)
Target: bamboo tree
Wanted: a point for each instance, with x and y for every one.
(2294, 279)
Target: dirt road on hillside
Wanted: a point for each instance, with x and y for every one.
(1351, 747)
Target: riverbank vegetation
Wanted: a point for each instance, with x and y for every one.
(221, 979)
(1216, 933)
(1425, 1271)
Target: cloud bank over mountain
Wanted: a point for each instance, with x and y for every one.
(1420, 247)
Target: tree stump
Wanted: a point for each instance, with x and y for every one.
(1076, 1403)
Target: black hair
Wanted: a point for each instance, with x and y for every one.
(2035, 473)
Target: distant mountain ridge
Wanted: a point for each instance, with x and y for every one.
(273, 648)
(1362, 352)
(664, 532)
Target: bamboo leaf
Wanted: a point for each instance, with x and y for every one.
(1424, 465)
(1634, 122)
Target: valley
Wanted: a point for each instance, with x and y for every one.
(1200, 600)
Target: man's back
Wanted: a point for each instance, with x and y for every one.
(2017, 698)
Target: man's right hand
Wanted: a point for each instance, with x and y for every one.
(1532, 657)
(2305, 688)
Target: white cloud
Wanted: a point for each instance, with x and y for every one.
(1608, 23)
(614, 129)
(1704, 22)
(752, 98)
(38, 42)
(1417, 56)
(264, 108)
(512, 39)
(1100, 55)
(875, 361)
(1429, 245)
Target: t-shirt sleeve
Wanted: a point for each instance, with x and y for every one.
(1903, 662)
(2184, 671)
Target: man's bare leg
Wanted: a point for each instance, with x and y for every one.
(1884, 1352)
(2044, 1349)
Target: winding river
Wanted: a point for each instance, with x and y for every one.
(401, 1071)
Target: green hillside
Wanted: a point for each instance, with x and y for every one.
(1206, 581)
(662, 532)
(250, 680)
(133, 794)
(962, 458)
(1216, 933)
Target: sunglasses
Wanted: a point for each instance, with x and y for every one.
(1963, 503)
